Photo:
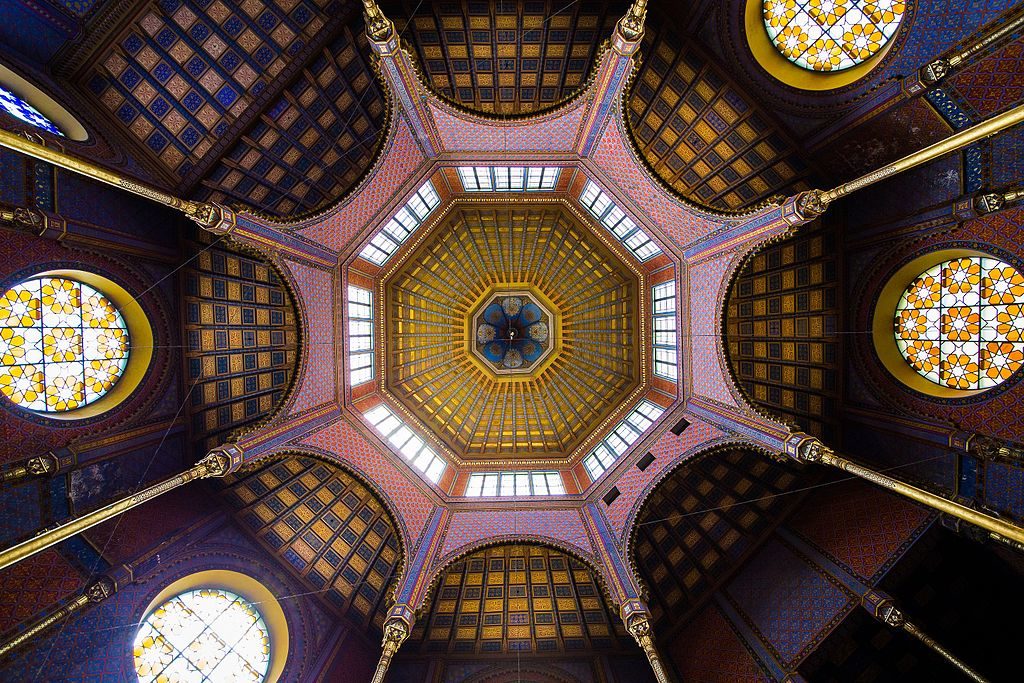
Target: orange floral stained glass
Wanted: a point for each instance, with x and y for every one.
(63, 344)
(960, 323)
(831, 35)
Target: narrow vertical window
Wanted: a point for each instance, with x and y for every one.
(665, 338)
(360, 335)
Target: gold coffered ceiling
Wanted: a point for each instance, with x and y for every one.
(481, 248)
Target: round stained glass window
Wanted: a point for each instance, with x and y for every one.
(63, 344)
(831, 35)
(960, 324)
(203, 635)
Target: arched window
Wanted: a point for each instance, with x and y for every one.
(63, 344)
(20, 109)
(831, 35)
(960, 323)
(206, 634)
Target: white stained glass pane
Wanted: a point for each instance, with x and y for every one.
(523, 484)
(540, 484)
(615, 221)
(359, 295)
(649, 409)
(555, 485)
(647, 250)
(666, 291)
(400, 436)
(360, 328)
(490, 487)
(411, 448)
(665, 355)
(475, 486)
(468, 177)
(666, 370)
(508, 484)
(361, 360)
(638, 420)
(357, 377)
(594, 466)
(590, 194)
(435, 470)
(377, 414)
(374, 255)
(198, 635)
(360, 343)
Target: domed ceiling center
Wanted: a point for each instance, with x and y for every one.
(511, 330)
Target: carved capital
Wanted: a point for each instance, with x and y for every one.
(396, 631)
(989, 203)
(639, 626)
(208, 216)
(811, 451)
(631, 26)
(220, 461)
(887, 613)
(988, 448)
(935, 72)
(41, 465)
(99, 591)
(22, 217)
(378, 28)
(811, 204)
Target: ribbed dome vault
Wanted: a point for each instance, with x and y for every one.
(477, 253)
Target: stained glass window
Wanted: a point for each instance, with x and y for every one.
(63, 344)
(20, 109)
(203, 635)
(831, 35)
(960, 323)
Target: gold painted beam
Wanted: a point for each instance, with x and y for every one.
(204, 214)
(940, 68)
(811, 450)
(814, 203)
(217, 463)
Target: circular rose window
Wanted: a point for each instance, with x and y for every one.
(63, 344)
(960, 323)
(208, 634)
(831, 35)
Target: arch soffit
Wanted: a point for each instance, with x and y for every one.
(572, 550)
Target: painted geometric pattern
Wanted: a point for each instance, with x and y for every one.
(701, 521)
(201, 635)
(63, 344)
(23, 111)
(831, 35)
(327, 527)
(709, 376)
(780, 321)
(312, 144)
(431, 297)
(509, 57)
(703, 136)
(476, 526)
(857, 524)
(316, 384)
(555, 132)
(1004, 488)
(786, 599)
(710, 632)
(184, 70)
(960, 324)
(520, 600)
(994, 83)
(241, 336)
(34, 585)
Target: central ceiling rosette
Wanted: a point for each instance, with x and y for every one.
(512, 330)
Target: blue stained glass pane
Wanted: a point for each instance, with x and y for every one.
(23, 111)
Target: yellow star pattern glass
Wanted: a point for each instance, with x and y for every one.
(960, 324)
(63, 344)
(203, 635)
(831, 35)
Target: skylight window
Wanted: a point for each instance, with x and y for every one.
(397, 230)
(625, 434)
(616, 220)
(515, 484)
(360, 335)
(412, 447)
(508, 178)
(665, 354)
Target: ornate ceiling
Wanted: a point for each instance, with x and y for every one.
(481, 252)
(507, 56)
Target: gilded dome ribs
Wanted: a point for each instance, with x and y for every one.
(454, 306)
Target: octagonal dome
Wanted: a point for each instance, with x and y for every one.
(554, 267)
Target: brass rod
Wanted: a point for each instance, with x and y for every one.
(211, 465)
(46, 622)
(90, 170)
(951, 144)
(943, 652)
(991, 524)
